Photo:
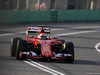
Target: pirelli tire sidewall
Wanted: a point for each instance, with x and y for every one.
(13, 46)
(69, 50)
(21, 47)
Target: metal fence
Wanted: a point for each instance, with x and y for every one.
(49, 4)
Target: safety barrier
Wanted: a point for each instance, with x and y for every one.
(78, 15)
(23, 16)
(35, 16)
(7, 17)
(28, 16)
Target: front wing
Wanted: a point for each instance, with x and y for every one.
(58, 56)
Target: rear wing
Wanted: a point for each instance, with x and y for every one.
(37, 29)
(32, 30)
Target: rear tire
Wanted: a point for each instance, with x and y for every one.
(13, 46)
(21, 47)
(69, 50)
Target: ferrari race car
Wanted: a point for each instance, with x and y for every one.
(41, 46)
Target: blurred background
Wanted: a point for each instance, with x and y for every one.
(30, 11)
(49, 4)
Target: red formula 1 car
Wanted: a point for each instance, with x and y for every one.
(42, 46)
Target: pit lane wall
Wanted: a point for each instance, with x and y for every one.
(28, 16)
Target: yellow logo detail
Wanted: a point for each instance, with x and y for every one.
(35, 42)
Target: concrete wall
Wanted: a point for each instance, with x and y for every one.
(95, 4)
(99, 4)
(60, 4)
(82, 4)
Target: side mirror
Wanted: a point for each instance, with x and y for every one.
(55, 38)
(31, 36)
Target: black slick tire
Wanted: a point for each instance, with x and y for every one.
(13, 46)
(69, 50)
(21, 47)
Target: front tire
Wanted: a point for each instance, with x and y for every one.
(13, 46)
(21, 47)
(69, 50)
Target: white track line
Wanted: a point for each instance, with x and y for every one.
(44, 68)
(73, 33)
(97, 47)
(47, 68)
(86, 27)
(8, 34)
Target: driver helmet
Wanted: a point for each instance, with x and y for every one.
(41, 31)
(42, 36)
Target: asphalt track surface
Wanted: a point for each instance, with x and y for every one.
(86, 39)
